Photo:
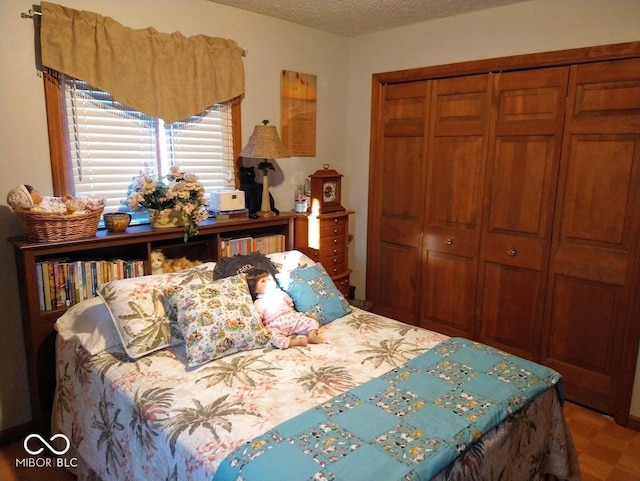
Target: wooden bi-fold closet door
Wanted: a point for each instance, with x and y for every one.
(455, 164)
(519, 197)
(427, 208)
(593, 274)
(396, 211)
(504, 206)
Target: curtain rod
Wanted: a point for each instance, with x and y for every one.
(32, 14)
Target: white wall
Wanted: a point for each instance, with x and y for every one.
(344, 67)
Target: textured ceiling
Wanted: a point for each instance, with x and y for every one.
(357, 17)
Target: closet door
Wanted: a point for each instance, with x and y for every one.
(522, 170)
(397, 175)
(457, 151)
(591, 312)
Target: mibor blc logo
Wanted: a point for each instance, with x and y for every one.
(34, 444)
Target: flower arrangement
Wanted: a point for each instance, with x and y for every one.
(178, 191)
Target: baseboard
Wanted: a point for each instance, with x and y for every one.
(16, 433)
(634, 423)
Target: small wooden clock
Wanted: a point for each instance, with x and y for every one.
(325, 191)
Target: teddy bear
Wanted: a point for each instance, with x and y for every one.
(23, 196)
(161, 264)
(36, 196)
(253, 191)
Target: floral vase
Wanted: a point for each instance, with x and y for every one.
(166, 218)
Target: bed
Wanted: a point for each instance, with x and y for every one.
(378, 399)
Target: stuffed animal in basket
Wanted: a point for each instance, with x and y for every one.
(161, 264)
(25, 196)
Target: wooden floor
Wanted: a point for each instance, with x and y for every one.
(607, 452)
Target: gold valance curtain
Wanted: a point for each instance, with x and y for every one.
(168, 76)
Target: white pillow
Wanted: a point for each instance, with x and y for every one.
(287, 261)
(90, 324)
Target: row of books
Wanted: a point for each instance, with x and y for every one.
(64, 282)
(246, 245)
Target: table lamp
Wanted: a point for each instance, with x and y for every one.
(265, 144)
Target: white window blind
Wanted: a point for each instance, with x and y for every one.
(111, 143)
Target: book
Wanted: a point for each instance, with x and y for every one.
(46, 290)
(222, 215)
(265, 244)
(65, 282)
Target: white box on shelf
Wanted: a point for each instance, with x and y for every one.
(223, 200)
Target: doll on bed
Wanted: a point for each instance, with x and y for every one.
(287, 326)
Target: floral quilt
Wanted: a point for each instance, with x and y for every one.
(156, 419)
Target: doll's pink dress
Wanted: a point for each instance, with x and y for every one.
(280, 317)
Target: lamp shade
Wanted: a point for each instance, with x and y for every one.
(265, 143)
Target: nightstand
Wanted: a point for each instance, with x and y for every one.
(324, 238)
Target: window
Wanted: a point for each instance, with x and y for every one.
(98, 145)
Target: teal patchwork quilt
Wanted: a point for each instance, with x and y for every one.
(407, 424)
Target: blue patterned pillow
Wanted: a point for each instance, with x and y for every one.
(314, 293)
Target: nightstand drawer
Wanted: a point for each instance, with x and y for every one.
(333, 269)
(331, 229)
(342, 283)
(333, 260)
(333, 250)
(333, 220)
(336, 242)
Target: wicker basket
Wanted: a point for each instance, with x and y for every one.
(48, 227)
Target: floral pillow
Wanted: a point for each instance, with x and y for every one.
(314, 293)
(218, 319)
(139, 309)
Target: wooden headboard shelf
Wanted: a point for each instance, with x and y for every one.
(136, 243)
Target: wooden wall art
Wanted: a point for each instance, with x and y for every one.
(298, 107)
